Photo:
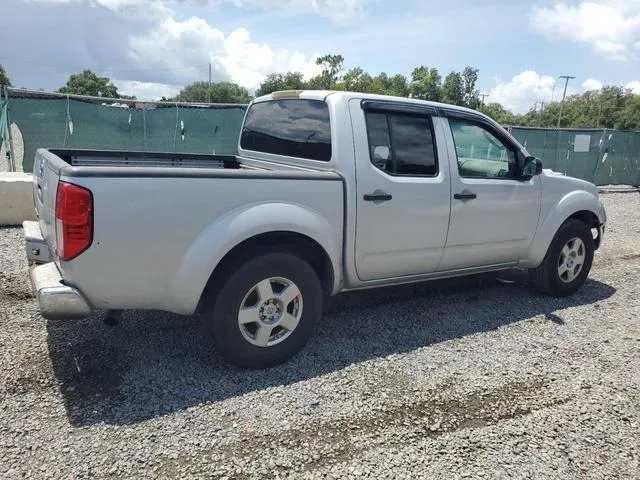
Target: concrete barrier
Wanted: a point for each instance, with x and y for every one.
(16, 198)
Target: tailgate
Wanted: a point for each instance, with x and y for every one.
(46, 173)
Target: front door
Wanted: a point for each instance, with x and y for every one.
(494, 215)
(403, 190)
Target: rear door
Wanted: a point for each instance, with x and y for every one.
(403, 191)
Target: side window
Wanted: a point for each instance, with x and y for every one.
(401, 144)
(294, 128)
(480, 153)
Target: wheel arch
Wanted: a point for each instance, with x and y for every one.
(578, 205)
(283, 240)
(268, 225)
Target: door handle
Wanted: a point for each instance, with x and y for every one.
(377, 196)
(465, 195)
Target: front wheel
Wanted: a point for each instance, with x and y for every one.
(568, 261)
(266, 311)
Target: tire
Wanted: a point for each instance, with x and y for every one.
(557, 275)
(273, 325)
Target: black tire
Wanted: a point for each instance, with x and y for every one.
(223, 313)
(546, 278)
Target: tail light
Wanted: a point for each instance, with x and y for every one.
(74, 220)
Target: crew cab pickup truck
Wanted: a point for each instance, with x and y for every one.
(329, 192)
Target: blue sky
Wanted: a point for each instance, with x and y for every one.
(152, 48)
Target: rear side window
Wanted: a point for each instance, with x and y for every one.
(293, 127)
(402, 144)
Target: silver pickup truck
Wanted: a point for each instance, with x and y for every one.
(329, 192)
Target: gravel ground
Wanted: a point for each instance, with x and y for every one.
(475, 378)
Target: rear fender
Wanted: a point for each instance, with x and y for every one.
(239, 225)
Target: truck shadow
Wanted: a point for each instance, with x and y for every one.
(156, 363)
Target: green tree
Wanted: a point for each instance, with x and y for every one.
(4, 77)
(399, 86)
(277, 81)
(425, 84)
(453, 89)
(471, 96)
(357, 80)
(628, 117)
(498, 113)
(88, 83)
(331, 68)
(220, 92)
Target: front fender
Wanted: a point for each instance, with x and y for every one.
(565, 207)
(243, 223)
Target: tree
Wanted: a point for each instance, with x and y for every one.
(277, 81)
(498, 113)
(220, 92)
(399, 86)
(88, 83)
(357, 80)
(628, 118)
(4, 78)
(471, 96)
(453, 89)
(331, 68)
(425, 84)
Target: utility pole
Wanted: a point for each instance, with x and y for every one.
(540, 117)
(566, 83)
(483, 95)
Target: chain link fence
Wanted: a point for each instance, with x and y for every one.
(30, 120)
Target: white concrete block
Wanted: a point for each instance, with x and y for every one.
(16, 198)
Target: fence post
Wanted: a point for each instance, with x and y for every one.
(10, 151)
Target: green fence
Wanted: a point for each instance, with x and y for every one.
(604, 157)
(58, 121)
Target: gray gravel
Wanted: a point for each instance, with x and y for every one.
(474, 378)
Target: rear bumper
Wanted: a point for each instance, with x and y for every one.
(35, 244)
(57, 300)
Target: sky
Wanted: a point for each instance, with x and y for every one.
(152, 48)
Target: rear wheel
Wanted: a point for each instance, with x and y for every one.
(266, 311)
(568, 261)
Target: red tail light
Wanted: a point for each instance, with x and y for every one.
(74, 220)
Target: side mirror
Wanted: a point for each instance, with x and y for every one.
(530, 166)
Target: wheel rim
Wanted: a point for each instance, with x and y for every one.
(571, 260)
(270, 312)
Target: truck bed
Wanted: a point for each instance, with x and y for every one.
(163, 221)
(117, 158)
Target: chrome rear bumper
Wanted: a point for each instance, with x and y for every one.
(35, 244)
(57, 300)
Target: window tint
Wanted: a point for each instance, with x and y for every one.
(480, 153)
(294, 128)
(401, 144)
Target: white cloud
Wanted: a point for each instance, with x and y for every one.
(522, 91)
(591, 84)
(610, 27)
(146, 90)
(634, 86)
(187, 46)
